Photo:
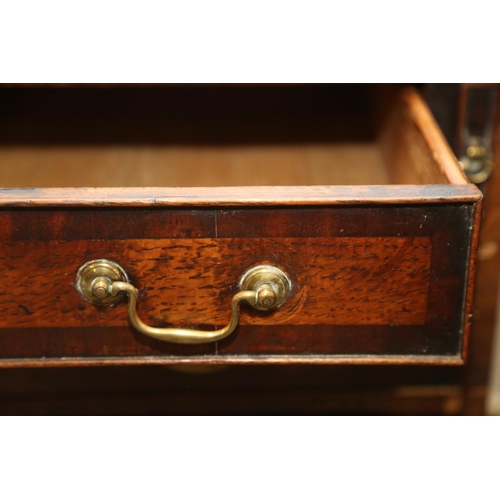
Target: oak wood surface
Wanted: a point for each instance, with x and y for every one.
(414, 148)
(405, 152)
(434, 139)
(191, 166)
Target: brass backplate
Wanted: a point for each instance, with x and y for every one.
(264, 274)
(94, 269)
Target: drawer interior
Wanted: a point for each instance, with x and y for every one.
(213, 135)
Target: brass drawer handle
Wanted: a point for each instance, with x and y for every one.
(101, 281)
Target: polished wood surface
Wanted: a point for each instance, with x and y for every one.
(378, 271)
(188, 281)
(361, 286)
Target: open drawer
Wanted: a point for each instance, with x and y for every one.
(348, 196)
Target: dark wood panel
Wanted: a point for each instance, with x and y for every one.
(185, 114)
(86, 341)
(230, 390)
(345, 221)
(118, 223)
(310, 401)
(259, 342)
(342, 340)
(451, 247)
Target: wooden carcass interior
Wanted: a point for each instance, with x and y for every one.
(207, 136)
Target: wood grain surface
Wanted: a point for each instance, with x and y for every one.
(361, 286)
(414, 148)
(408, 159)
(239, 196)
(192, 166)
(433, 137)
(190, 282)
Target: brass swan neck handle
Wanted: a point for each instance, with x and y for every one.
(181, 335)
(101, 282)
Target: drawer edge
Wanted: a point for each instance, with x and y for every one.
(234, 196)
(471, 278)
(232, 360)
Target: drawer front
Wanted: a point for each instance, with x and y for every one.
(378, 273)
(374, 283)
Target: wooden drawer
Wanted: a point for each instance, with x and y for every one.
(350, 190)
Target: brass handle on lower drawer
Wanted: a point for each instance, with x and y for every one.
(101, 281)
